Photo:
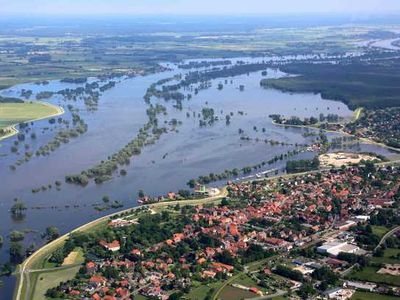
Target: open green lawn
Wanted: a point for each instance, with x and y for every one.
(199, 291)
(369, 274)
(371, 296)
(140, 297)
(387, 257)
(47, 280)
(246, 281)
(380, 230)
(13, 113)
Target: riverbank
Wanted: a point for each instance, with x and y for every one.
(12, 129)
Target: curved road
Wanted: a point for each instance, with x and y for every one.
(388, 234)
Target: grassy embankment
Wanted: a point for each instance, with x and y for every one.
(12, 114)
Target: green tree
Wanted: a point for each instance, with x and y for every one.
(305, 291)
(141, 194)
(16, 252)
(176, 296)
(16, 236)
(52, 233)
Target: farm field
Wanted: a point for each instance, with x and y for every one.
(388, 257)
(233, 293)
(14, 113)
(199, 291)
(380, 230)
(371, 296)
(370, 274)
(47, 280)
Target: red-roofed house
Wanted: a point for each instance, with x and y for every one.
(177, 237)
(98, 280)
(136, 252)
(201, 261)
(75, 293)
(233, 230)
(96, 297)
(208, 274)
(121, 292)
(220, 267)
(113, 246)
(90, 267)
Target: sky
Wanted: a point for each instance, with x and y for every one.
(195, 7)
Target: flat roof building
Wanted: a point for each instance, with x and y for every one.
(335, 247)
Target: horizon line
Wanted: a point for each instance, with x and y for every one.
(369, 14)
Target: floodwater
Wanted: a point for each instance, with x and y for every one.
(165, 166)
(387, 44)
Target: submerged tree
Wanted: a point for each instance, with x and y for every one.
(16, 252)
(51, 233)
(18, 208)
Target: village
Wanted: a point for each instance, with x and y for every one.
(305, 236)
